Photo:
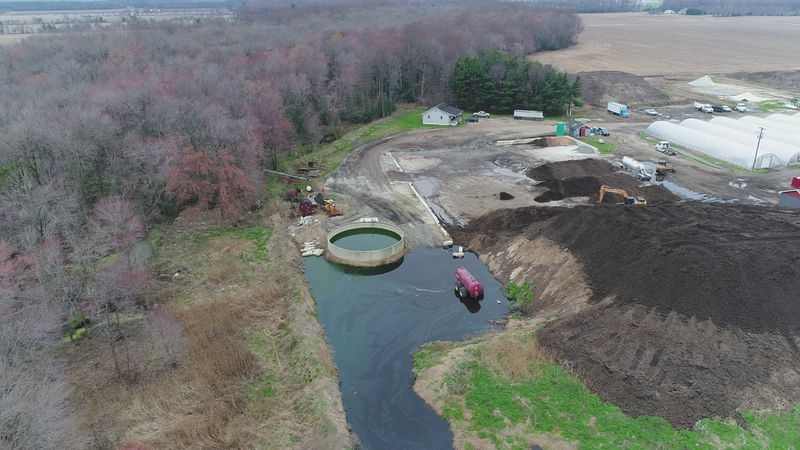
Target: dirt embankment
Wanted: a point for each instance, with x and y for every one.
(600, 87)
(788, 80)
(583, 178)
(691, 308)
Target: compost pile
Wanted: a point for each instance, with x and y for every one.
(583, 178)
(704, 303)
(734, 265)
(600, 87)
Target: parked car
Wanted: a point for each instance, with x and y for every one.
(651, 112)
(723, 108)
(726, 108)
(707, 109)
(598, 131)
(741, 107)
(481, 114)
(472, 119)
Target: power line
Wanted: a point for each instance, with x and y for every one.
(758, 144)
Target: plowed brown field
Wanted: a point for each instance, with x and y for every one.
(672, 44)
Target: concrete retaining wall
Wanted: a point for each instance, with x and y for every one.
(366, 258)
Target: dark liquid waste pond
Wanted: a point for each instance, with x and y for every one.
(376, 318)
(365, 239)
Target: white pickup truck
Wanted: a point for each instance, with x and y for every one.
(704, 107)
(741, 107)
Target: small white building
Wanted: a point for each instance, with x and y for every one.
(442, 114)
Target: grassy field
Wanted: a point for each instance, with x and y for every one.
(700, 158)
(772, 105)
(508, 394)
(335, 152)
(605, 148)
(331, 155)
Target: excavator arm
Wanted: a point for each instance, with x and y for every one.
(605, 189)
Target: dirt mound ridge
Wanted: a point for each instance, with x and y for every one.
(737, 265)
(734, 265)
(785, 79)
(583, 178)
(693, 309)
(565, 169)
(600, 87)
(569, 187)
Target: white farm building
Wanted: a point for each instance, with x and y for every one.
(442, 114)
(735, 141)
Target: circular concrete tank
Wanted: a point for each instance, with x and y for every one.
(367, 242)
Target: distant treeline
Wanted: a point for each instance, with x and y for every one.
(109, 4)
(736, 7)
(587, 6)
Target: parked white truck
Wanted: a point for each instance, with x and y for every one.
(618, 109)
(741, 107)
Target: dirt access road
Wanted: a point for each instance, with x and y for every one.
(652, 45)
(460, 171)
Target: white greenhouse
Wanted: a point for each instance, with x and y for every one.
(771, 124)
(782, 152)
(789, 120)
(747, 127)
(721, 148)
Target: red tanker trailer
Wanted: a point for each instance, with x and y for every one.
(466, 285)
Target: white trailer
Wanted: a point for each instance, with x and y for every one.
(643, 171)
(523, 114)
(618, 109)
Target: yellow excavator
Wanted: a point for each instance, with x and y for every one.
(626, 199)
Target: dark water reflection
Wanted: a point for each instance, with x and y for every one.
(375, 319)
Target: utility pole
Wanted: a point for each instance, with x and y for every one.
(758, 144)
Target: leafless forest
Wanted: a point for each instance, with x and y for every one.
(104, 134)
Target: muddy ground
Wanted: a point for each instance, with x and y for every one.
(461, 173)
(679, 309)
(600, 87)
(786, 80)
(583, 178)
(691, 307)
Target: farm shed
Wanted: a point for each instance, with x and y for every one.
(721, 148)
(522, 114)
(783, 153)
(442, 114)
(789, 199)
(747, 127)
(576, 128)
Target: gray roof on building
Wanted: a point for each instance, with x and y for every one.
(449, 109)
